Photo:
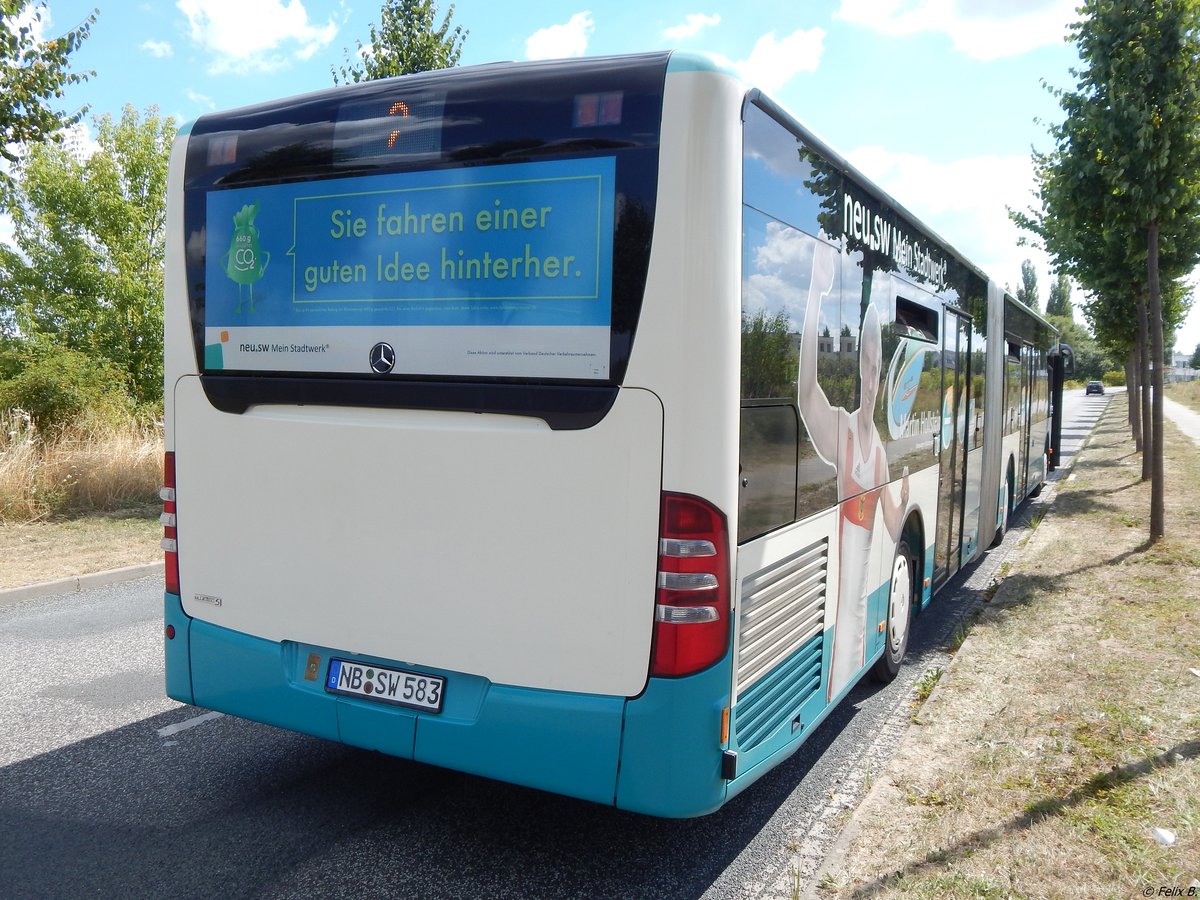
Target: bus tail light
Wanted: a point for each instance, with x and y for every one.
(691, 613)
(170, 540)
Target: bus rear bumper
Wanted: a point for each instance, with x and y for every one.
(653, 754)
(565, 743)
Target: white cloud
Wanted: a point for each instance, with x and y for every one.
(981, 29)
(555, 41)
(773, 63)
(965, 201)
(159, 49)
(692, 25)
(200, 99)
(247, 37)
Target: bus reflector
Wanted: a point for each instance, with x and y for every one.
(170, 541)
(691, 615)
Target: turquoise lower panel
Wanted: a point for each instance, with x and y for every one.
(877, 613)
(777, 706)
(566, 743)
(926, 591)
(260, 680)
(176, 657)
(671, 754)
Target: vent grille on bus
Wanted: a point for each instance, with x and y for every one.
(780, 640)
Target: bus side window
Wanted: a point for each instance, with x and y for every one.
(770, 435)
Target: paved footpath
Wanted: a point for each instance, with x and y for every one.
(1188, 421)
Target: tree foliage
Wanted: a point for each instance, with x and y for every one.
(1027, 293)
(1059, 301)
(1120, 192)
(406, 41)
(32, 74)
(59, 387)
(87, 269)
(1091, 359)
(769, 361)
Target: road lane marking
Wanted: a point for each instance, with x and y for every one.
(188, 723)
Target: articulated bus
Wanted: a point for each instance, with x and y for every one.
(588, 425)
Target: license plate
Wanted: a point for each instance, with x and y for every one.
(411, 689)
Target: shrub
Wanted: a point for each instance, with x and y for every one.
(1113, 379)
(60, 387)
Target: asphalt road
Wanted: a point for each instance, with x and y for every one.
(108, 789)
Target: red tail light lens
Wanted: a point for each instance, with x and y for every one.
(691, 614)
(170, 540)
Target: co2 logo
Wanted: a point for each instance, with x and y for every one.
(244, 259)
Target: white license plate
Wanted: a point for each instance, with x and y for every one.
(412, 689)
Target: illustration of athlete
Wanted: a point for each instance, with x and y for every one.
(851, 442)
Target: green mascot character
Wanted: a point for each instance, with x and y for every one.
(245, 262)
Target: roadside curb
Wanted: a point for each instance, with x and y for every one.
(78, 583)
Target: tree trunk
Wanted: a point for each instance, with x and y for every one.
(1143, 339)
(1133, 392)
(1157, 480)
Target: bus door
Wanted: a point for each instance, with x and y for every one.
(1036, 419)
(1014, 403)
(956, 347)
(1027, 385)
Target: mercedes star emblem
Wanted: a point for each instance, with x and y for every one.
(382, 358)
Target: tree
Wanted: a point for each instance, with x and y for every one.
(1195, 363)
(1145, 100)
(1091, 359)
(32, 73)
(1027, 293)
(87, 270)
(1059, 301)
(769, 360)
(1120, 194)
(406, 41)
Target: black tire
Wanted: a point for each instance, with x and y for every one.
(900, 604)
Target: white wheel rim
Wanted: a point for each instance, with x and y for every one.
(899, 604)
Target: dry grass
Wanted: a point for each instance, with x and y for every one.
(1068, 728)
(50, 550)
(84, 469)
(1187, 393)
(82, 500)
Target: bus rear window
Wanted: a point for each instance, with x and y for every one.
(489, 226)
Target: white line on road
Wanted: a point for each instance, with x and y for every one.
(188, 723)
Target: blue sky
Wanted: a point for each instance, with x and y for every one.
(936, 100)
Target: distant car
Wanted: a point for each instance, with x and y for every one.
(1094, 387)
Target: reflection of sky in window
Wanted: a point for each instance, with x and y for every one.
(774, 173)
(783, 196)
(776, 272)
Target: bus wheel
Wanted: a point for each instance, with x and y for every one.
(900, 600)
